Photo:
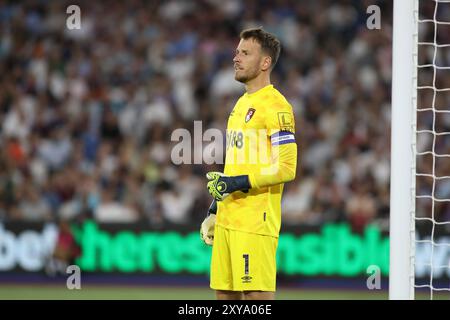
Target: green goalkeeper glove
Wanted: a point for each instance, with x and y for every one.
(207, 227)
(220, 185)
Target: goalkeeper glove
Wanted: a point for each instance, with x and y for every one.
(220, 185)
(207, 227)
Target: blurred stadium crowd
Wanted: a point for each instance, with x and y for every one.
(86, 116)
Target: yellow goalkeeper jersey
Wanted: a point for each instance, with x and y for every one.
(260, 130)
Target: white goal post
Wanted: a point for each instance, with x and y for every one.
(404, 103)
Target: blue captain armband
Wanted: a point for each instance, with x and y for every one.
(282, 137)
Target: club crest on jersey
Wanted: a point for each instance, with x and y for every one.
(250, 114)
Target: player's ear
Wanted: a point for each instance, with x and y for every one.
(266, 63)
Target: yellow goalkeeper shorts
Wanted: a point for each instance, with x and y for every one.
(243, 261)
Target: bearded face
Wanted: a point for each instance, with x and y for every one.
(247, 61)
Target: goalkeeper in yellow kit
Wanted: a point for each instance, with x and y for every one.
(243, 222)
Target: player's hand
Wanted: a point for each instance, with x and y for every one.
(207, 227)
(217, 185)
(220, 186)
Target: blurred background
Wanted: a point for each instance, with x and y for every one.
(86, 118)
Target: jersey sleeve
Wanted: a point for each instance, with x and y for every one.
(280, 125)
(282, 169)
(280, 122)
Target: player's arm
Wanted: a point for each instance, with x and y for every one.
(282, 169)
(283, 165)
(220, 185)
(280, 124)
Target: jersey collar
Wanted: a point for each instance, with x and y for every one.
(262, 90)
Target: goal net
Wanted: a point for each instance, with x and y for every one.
(420, 170)
(432, 148)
